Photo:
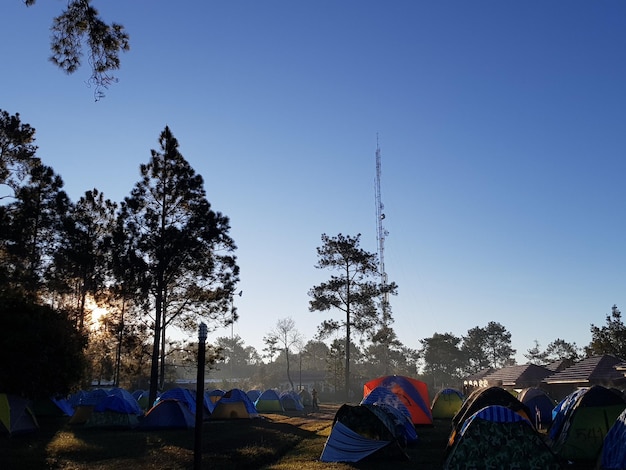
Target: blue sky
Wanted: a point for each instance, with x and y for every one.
(501, 127)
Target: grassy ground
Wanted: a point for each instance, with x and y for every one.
(278, 441)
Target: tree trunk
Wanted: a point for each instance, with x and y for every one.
(154, 366)
(162, 369)
(348, 335)
(288, 373)
(118, 352)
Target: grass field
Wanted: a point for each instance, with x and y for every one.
(276, 441)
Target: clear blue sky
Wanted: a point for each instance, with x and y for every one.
(501, 126)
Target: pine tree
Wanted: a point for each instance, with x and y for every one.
(353, 291)
(188, 253)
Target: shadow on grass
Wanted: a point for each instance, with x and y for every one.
(275, 441)
(225, 444)
(249, 444)
(29, 450)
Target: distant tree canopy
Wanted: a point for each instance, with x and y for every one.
(42, 351)
(609, 339)
(442, 357)
(488, 347)
(447, 358)
(557, 350)
(80, 27)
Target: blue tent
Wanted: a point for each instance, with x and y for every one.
(382, 396)
(168, 414)
(253, 395)
(117, 409)
(87, 398)
(63, 405)
(52, 407)
(614, 448)
(119, 400)
(562, 410)
(183, 395)
(269, 401)
(540, 405)
(291, 401)
(403, 423)
(362, 431)
(386, 396)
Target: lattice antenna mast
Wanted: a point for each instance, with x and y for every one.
(381, 233)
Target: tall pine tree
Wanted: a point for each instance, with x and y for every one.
(353, 291)
(186, 246)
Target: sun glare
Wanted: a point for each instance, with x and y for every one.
(96, 313)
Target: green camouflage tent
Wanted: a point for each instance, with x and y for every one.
(496, 438)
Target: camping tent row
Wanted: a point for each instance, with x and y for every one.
(177, 408)
(382, 425)
(232, 404)
(118, 408)
(448, 401)
(578, 429)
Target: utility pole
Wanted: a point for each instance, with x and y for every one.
(197, 446)
(233, 314)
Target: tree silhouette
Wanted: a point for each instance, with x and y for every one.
(191, 268)
(353, 291)
(80, 26)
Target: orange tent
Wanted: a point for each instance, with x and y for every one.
(412, 392)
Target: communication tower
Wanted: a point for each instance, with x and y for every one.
(381, 233)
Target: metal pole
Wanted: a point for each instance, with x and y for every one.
(300, 371)
(197, 447)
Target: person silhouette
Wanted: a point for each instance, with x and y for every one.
(314, 398)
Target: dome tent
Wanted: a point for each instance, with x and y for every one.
(446, 404)
(412, 392)
(168, 414)
(362, 431)
(498, 437)
(268, 402)
(234, 404)
(585, 424)
(16, 417)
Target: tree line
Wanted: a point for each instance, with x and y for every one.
(160, 258)
(163, 258)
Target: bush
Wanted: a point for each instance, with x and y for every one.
(41, 352)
